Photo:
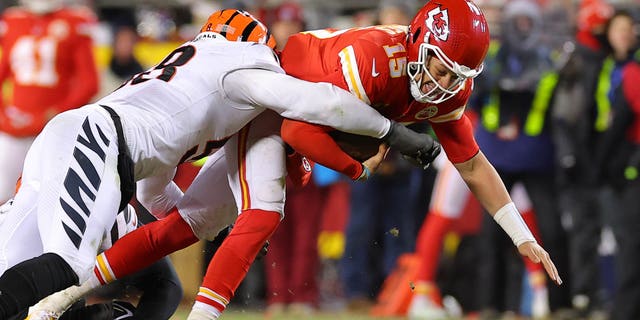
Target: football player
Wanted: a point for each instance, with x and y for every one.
(47, 57)
(158, 285)
(202, 97)
(449, 210)
(421, 73)
(440, 53)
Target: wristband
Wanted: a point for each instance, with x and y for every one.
(511, 222)
(365, 173)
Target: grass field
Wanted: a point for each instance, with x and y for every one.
(235, 314)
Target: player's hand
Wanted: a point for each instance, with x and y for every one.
(419, 148)
(371, 165)
(537, 254)
(423, 158)
(374, 162)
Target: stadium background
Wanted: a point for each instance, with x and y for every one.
(164, 24)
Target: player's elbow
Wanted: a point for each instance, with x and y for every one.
(288, 131)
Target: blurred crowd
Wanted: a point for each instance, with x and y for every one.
(551, 114)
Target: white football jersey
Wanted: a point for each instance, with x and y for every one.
(206, 90)
(177, 110)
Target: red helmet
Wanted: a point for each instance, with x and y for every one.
(238, 25)
(454, 32)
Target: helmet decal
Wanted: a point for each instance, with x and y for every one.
(238, 25)
(438, 23)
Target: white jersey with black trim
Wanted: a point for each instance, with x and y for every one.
(175, 111)
(207, 89)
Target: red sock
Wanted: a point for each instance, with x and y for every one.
(529, 218)
(429, 246)
(236, 254)
(144, 246)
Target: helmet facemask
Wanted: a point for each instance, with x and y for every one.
(419, 73)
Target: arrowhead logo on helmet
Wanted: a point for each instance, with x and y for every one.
(438, 23)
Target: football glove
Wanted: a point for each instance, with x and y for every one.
(418, 148)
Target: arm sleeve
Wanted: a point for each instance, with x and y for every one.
(314, 142)
(319, 103)
(456, 138)
(158, 194)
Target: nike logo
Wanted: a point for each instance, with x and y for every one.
(124, 313)
(374, 73)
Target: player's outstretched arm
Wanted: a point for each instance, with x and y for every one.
(485, 183)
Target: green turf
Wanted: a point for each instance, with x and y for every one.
(257, 315)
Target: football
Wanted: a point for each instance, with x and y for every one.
(358, 147)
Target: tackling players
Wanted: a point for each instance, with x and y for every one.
(204, 95)
(423, 73)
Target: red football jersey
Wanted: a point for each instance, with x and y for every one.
(49, 61)
(370, 62)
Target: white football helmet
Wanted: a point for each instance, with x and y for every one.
(42, 6)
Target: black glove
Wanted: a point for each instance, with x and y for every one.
(423, 159)
(418, 148)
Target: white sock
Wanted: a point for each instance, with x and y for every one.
(203, 311)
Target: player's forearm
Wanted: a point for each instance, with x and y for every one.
(484, 182)
(158, 194)
(319, 103)
(486, 185)
(314, 142)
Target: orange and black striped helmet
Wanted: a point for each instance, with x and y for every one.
(239, 25)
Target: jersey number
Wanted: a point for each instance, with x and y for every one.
(397, 65)
(34, 61)
(166, 69)
(208, 149)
